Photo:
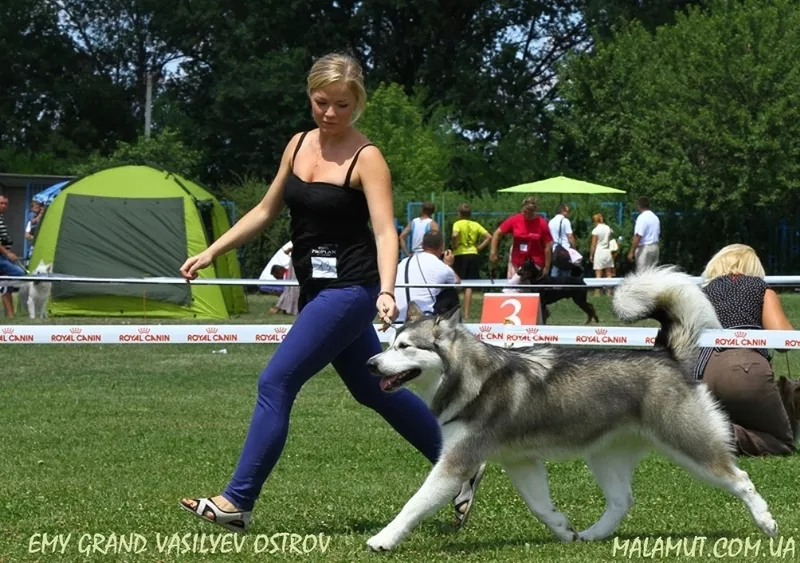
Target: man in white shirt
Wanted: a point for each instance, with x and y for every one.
(646, 234)
(561, 231)
(425, 267)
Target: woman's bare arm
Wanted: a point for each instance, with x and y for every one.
(376, 181)
(263, 214)
(772, 315)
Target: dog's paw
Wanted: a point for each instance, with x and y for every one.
(564, 530)
(570, 536)
(768, 525)
(383, 541)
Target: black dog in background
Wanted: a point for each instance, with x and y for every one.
(531, 274)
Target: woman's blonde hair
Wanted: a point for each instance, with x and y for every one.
(598, 218)
(734, 259)
(336, 67)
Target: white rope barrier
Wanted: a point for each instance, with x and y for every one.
(484, 284)
(495, 334)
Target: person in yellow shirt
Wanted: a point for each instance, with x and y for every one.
(464, 242)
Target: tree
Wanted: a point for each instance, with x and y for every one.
(704, 116)
(53, 107)
(418, 154)
(124, 40)
(165, 150)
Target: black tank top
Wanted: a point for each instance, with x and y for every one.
(332, 244)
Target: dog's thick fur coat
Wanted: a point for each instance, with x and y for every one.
(520, 407)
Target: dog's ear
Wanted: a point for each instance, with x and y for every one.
(414, 313)
(448, 320)
(49, 268)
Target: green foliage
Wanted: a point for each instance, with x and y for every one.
(418, 154)
(703, 115)
(52, 100)
(255, 254)
(27, 162)
(164, 149)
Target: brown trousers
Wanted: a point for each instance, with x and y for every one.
(761, 408)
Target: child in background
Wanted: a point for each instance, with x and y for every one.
(32, 226)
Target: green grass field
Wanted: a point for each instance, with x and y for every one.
(104, 439)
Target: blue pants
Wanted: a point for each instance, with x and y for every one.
(334, 327)
(9, 268)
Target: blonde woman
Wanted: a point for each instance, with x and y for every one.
(761, 409)
(600, 253)
(335, 183)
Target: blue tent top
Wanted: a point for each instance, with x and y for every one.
(47, 196)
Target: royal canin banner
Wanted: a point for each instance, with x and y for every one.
(496, 334)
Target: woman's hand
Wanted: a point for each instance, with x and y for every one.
(387, 310)
(198, 262)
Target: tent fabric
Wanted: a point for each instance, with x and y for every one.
(136, 221)
(46, 197)
(154, 243)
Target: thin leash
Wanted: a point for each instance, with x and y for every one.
(19, 263)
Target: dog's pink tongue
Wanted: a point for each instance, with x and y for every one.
(386, 382)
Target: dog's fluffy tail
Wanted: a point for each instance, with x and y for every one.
(672, 298)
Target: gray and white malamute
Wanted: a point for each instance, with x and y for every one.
(520, 407)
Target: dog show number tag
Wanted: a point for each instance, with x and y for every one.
(323, 262)
(519, 309)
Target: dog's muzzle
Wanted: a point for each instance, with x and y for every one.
(395, 380)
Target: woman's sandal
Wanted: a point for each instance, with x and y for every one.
(233, 521)
(463, 501)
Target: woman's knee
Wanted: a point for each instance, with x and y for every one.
(276, 380)
(369, 395)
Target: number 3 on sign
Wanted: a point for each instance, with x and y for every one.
(519, 309)
(516, 307)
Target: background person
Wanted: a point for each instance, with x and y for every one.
(290, 296)
(600, 254)
(335, 183)
(646, 234)
(561, 233)
(531, 237)
(32, 227)
(431, 266)
(8, 260)
(762, 410)
(465, 245)
(418, 227)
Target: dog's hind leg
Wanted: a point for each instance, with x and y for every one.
(530, 480)
(456, 465)
(613, 469)
(697, 436)
(586, 307)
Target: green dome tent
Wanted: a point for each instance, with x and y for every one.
(136, 221)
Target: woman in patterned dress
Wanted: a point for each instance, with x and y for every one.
(762, 410)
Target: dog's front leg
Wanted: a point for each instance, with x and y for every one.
(31, 306)
(441, 486)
